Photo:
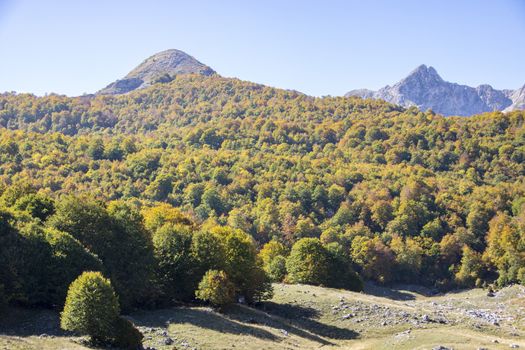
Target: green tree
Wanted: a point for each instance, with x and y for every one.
(471, 269)
(69, 259)
(375, 259)
(243, 266)
(308, 262)
(273, 257)
(216, 288)
(172, 247)
(117, 236)
(91, 307)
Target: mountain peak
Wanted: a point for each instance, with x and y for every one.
(424, 72)
(162, 66)
(424, 88)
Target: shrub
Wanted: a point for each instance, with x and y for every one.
(216, 288)
(91, 307)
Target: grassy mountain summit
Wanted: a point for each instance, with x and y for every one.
(161, 67)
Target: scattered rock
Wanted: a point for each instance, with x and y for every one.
(284, 332)
(403, 334)
(168, 341)
(514, 346)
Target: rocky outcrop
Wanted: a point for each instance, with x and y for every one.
(161, 67)
(425, 89)
(518, 99)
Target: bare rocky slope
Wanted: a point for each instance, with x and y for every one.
(424, 88)
(161, 67)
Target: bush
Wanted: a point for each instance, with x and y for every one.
(91, 307)
(126, 335)
(216, 288)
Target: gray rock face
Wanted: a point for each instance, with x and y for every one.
(425, 89)
(518, 99)
(160, 67)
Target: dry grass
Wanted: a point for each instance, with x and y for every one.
(306, 317)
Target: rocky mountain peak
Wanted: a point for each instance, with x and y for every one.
(161, 67)
(424, 88)
(424, 74)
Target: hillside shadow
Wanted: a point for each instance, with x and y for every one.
(30, 322)
(302, 322)
(243, 320)
(389, 293)
(200, 318)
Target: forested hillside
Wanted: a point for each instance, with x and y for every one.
(397, 195)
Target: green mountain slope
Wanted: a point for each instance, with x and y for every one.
(417, 189)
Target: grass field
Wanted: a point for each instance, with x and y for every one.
(306, 317)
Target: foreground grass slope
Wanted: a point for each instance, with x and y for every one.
(306, 317)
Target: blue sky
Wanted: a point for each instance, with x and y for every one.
(318, 47)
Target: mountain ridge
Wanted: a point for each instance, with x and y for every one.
(426, 89)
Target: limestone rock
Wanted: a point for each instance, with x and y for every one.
(425, 89)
